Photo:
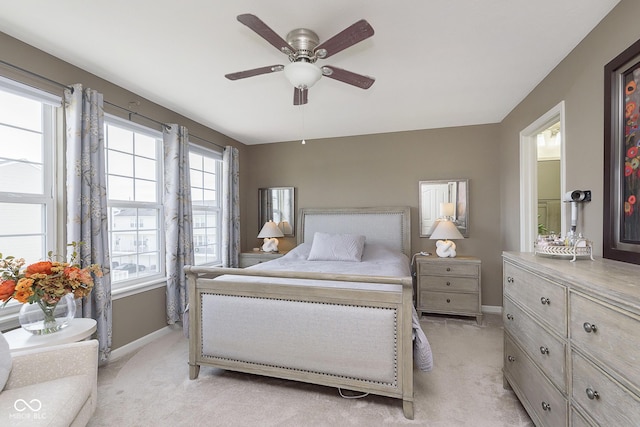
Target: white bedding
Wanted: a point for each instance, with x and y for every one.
(376, 261)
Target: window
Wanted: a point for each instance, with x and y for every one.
(27, 162)
(206, 182)
(134, 192)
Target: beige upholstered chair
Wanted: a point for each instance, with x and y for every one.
(52, 386)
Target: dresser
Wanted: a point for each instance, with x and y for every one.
(449, 286)
(572, 339)
(247, 259)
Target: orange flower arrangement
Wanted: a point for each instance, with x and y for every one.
(45, 282)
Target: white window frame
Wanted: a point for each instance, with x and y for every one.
(197, 149)
(124, 288)
(51, 163)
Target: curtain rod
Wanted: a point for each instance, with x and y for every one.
(62, 85)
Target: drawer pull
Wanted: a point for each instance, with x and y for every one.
(448, 283)
(511, 358)
(448, 268)
(592, 394)
(588, 327)
(509, 279)
(448, 300)
(546, 406)
(544, 350)
(509, 316)
(545, 301)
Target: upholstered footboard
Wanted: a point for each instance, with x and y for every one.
(336, 335)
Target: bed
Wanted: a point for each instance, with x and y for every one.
(292, 318)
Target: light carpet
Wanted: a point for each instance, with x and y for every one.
(151, 387)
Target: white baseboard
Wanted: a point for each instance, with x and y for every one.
(135, 345)
(492, 309)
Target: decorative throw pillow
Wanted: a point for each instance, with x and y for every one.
(5, 361)
(336, 247)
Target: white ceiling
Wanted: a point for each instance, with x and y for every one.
(437, 63)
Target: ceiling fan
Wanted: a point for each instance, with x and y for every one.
(303, 48)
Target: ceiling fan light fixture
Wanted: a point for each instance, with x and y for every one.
(302, 75)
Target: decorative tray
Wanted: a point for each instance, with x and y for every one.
(582, 248)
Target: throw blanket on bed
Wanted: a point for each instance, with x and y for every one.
(376, 261)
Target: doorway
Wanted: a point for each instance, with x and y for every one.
(542, 167)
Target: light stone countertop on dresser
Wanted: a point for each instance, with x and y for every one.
(623, 279)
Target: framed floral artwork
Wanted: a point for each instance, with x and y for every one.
(621, 228)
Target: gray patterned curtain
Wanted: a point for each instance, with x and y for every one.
(177, 218)
(87, 201)
(230, 207)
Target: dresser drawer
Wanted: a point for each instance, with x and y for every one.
(578, 420)
(614, 405)
(541, 397)
(444, 268)
(449, 302)
(615, 339)
(546, 299)
(446, 283)
(545, 349)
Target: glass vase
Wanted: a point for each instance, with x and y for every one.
(41, 318)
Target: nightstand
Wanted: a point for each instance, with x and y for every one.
(247, 259)
(449, 286)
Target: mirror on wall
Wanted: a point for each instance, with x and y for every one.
(444, 198)
(277, 204)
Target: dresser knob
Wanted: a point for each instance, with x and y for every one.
(546, 406)
(509, 316)
(509, 279)
(448, 300)
(511, 358)
(545, 301)
(448, 268)
(592, 394)
(588, 327)
(544, 350)
(448, 283)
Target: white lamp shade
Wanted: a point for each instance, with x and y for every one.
(270, 229)
(446, 230)
(302, 75)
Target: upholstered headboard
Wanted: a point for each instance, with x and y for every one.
(388, 226)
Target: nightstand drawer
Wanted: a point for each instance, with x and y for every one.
(449, 269)
(445, 283)
(449, 302)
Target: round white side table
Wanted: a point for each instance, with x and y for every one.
(78, 329)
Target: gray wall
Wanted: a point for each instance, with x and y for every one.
(384, 170)
(579, 81)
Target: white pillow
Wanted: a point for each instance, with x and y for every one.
(336, 247)
(5, 361)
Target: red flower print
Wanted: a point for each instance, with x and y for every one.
(632, 199)
(628, 170)
(632, 152)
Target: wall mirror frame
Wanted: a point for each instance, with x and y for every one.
(277, 204)
(433, 195)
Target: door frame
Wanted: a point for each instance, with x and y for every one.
(529, 175)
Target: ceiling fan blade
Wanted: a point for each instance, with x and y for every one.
(363, 82)
(254, 72)
(300, 96)
(265, 32)
(345, 38)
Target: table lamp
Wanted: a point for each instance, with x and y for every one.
(269, 233)
(443, 232)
